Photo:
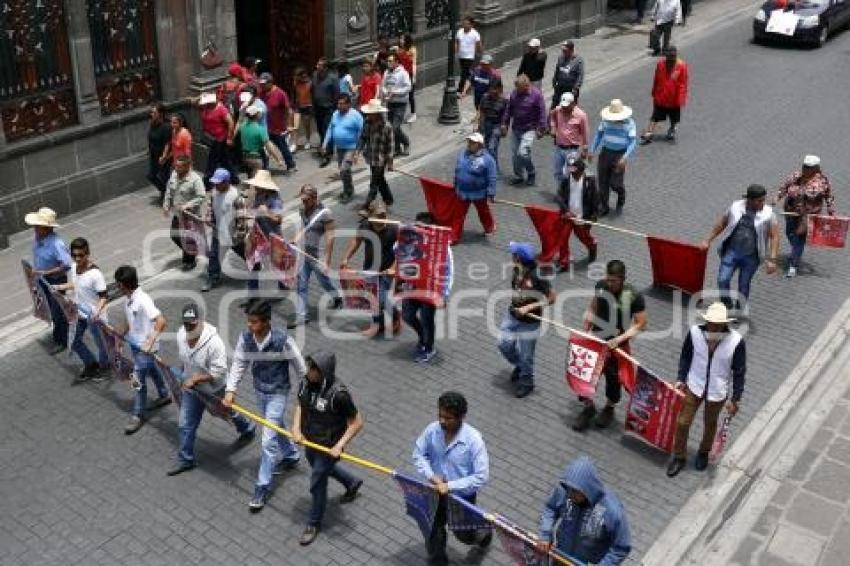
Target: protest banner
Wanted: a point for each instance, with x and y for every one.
(721, 440)
(585, 360)
(550, 228)
(359, 292)
(257, 248)
(283, 261)
(520, 545)
(422, 261)
(677, 264)
(40, 308)
(441, 200)
(69, 310)
(626, 367)
(122, 365)
(420, 502)
(193, 234)
(652, 410)
(827, 231)
(462, 515)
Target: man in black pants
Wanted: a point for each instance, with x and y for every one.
(325, 96)
(615, 304)
(377, 142)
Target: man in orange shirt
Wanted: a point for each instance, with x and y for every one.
(669, 94)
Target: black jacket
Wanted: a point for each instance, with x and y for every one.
(589, 199)
(533, 65)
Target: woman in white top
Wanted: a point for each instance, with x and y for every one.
(89, 287)
(468, 48)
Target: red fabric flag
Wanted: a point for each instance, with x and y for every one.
(283, 261)
(258, 248)
(627, 370)
(827, 231)
(422, 261)
(721, 439)
(359, 293)
(193, 234)
(550, 227)
(441, 199)
(585, 359)
(677, 264)
(652, 410)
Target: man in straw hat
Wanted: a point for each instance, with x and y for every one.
(268, 215)
(749, 234)
(475, 183)
(712, 355)
(185, 191)
(376, 141)
(617, 136)
(51, 261)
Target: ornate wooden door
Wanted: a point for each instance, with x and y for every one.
(297, 37)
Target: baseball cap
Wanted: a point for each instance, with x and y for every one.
(524, 251)
(191, 313)
(476, 137)
(567, 98)
(755, 191)
(266, 78)
(252, 110)
(220, 175)
(534, 42)
(568, 43)
(486, 59)
(576, 164)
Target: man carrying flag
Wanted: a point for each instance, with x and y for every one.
(591, 522)
(615, 305)
(713, 355)
(475, 183)
(268, 217)
(451, 455)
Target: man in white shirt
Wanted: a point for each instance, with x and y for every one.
(142, 329)
(577, 198)
(204, 360)
(468, 48)
(89, 287)
(229, 225)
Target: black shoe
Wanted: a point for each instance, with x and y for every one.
(180, 468)
(591, 255)
(646, 139)
(285, 466)
(309, 535)
(297, 322)
(88, 372)
(671, 134)
(584, 417)
(515, 375)
(516, 181)
(605, 418)
(160, 402)
(210, 283)
(189, 266)
(656, 52)
(604, 211)
(530, 181)
(261, 495)
(523, 390)
(351, 493)
(336, 304)
(403, 152)
(246, 438)
(485, 542)
(675, 466)
(701, 461)
(57, 349)
(621, 202)
(325, 162)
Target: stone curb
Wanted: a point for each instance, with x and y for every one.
(718, 517)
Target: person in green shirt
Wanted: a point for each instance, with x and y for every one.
(255, 139)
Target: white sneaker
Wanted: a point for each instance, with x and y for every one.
(792, 271)
(411, 118)
(307, 146)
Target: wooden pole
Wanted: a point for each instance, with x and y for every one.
(583, 334)
(579, 221)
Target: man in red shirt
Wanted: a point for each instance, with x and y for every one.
(370, 83)
(669, 94)
(217, 127)
(277, 104)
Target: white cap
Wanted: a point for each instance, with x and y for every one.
(207, 98)
(244, 96)
(252, 110)
(567, 98)
(534, 42)
(476, 137)
(811, 161)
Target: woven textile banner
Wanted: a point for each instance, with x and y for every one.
(420, 502)
(40, 309)
(585, 359)
(193, 234)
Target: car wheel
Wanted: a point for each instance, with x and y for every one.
(822, 36)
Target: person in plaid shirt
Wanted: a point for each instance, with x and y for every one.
(377, 140)
(804, 192)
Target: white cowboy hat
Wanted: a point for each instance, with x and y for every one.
(716, 313)
(534, 42)
(811, 161)
(476, 138)
(207, 98)
(373, 107)
(43, 217)
(616, 111)
(262, 179)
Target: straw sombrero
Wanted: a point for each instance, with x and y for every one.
(716, 313)
(43, 217)
(262, 179)
(616, 111)
(373, 107)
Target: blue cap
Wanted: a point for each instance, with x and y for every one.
(219, 176)
(524, 251)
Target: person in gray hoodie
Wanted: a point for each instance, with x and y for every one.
(326, 415)
(204, 360)
(591, 522)
(395, 89)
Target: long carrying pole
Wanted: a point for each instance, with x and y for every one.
(583, 334)
(600, 224)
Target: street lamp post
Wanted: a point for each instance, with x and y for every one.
(449, 111)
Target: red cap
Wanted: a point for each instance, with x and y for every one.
(235, 70)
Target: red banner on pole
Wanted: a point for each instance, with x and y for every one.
(627, 369)
(258, 248)
(422, 261)
(827, 231)
(441, 200)
(193, 234)
(652, 410)
(677, 264)
(122, 365)
(359, 293)
(721, 439)
(550, 228)
(283, 261)
(585, 359)
(69, 310)
(40, 308)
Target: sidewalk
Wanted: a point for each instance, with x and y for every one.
(117, 229)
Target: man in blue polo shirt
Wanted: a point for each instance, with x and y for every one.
(344, 134)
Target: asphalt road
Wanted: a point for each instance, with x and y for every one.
(75, 490)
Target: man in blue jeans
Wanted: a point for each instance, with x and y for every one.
(144, 325)
(269, 352)
(325, 415)
(749, 233)
(204, 360)
(518, 332)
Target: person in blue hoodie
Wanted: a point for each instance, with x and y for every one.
(475, 183)
(591, 522)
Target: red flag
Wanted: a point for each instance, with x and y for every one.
(627, 369)
(550, 227)
(585, 359)
(283, 261)
(258, 248)
(677, 264)
(827, 231)
(359, 293)
(422, 258)
(721, 439)
(441, 199)
(652, 410)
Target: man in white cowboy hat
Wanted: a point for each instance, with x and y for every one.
(475, 183)
(268, 216)
(713, 355)
(377, 142)
(185, 191)
(51, 262)
(617, 136)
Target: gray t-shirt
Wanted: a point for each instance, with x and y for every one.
(743, 238)
(314, 233)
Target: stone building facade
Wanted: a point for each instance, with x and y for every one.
(77, 76)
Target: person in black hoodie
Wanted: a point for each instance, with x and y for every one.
(533, 63)
(326, 415)
(325, 95)
(159, 136)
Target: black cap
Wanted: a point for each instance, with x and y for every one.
(191, 312)
(755, 191)
(577, 163)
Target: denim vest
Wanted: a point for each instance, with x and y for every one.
(271, 374)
